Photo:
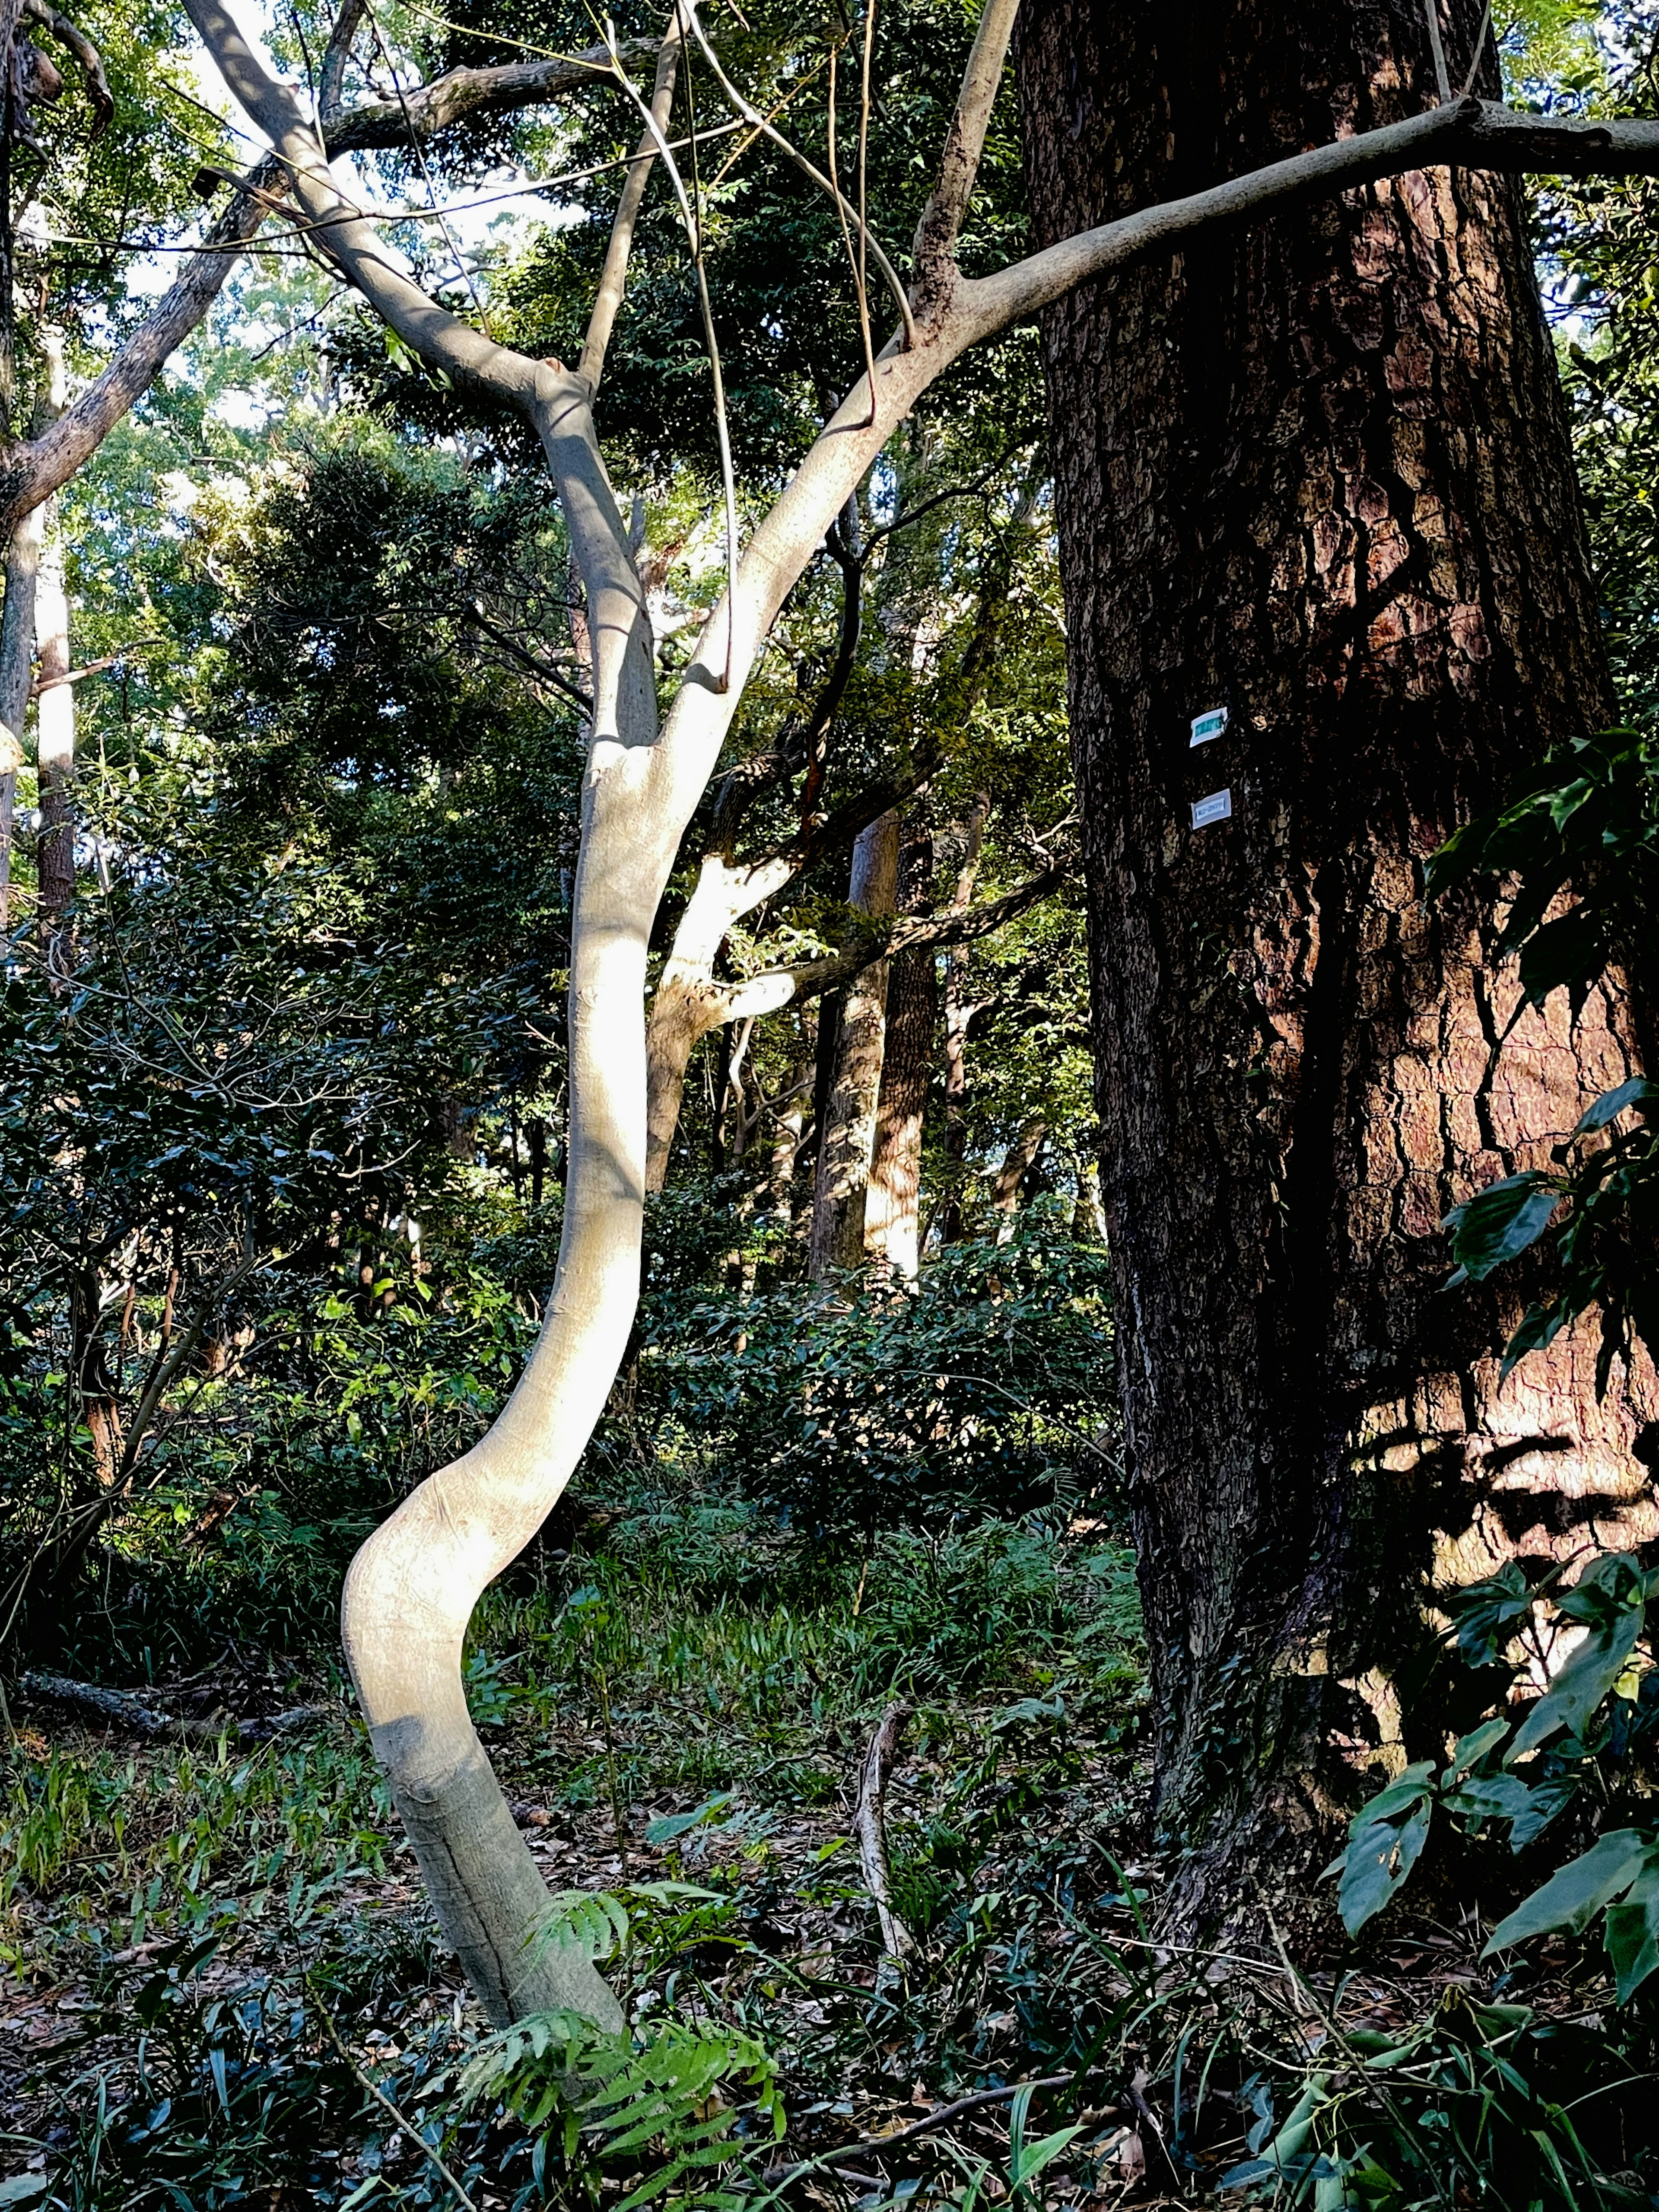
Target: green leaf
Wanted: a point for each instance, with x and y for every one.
(678, 1824)
(1482, 1613)
(1573, 1895)
(1630, 1931)
(1473, 1748)
(1610, 1599)
(1379, 1858)
(1500, 1222)
(1612, 1104)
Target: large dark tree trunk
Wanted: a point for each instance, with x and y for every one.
(1315, 472)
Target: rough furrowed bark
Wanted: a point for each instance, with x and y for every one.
(1316, 473)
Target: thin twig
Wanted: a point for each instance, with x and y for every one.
(1479, 44)
(1441, 75)
(854, 255)
(419, 152)
(408, 2132)
(752, 114)
(941, 2118)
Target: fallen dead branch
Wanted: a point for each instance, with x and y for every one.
(941, 2117)
(130, 1710)
(897, 1940)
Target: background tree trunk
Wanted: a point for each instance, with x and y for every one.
(16, 673)
(847, 1121)
(1315, 472)
(1017, 1165)
(892, 1214)
(55, 707)
(54, 728)
(958, 1013)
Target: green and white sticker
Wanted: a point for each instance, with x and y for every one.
(1218, 807)
(1211, 723)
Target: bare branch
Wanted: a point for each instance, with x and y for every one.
(934, 250)
(87, 55)
(782, 987)
(32, 472)
(1441, 75)
(379, 124)
(1475, 133)
(337, 54)
(613, 278)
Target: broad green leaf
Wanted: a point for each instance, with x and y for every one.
(1612, 1104)
(1378, 1861)
(680, 1824)
(1035, 2156)
(1500, 1222)
(1610, 1599)
(1483, 1612)
(1473, 1748)
(1577, 1892)
(1630, 1931)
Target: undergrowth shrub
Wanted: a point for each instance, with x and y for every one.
(868, 1403)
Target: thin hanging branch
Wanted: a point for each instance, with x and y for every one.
(1442, 74)
(752, 115)
(691, 217)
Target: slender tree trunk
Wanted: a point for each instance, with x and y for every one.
(1316, 473)
(37, 554)
(16, 673)
(847, 1123)
(958, 1013)
(1017, 1163)
(790, 1126)
(892, 1215)
(54, 724)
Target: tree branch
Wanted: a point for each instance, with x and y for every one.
(85, 54)
(934, 249)
(613, 278)
(33, 471)
(458, 92)
(782, 986)
(1474, 133)
(337, 54)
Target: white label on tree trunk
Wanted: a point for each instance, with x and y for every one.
(1218, 807)
(1211, 723)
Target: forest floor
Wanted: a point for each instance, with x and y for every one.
(213, 1950)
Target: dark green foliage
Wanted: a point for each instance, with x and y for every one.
(1585, 823)
(978, 1389)
(1587, 1741)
